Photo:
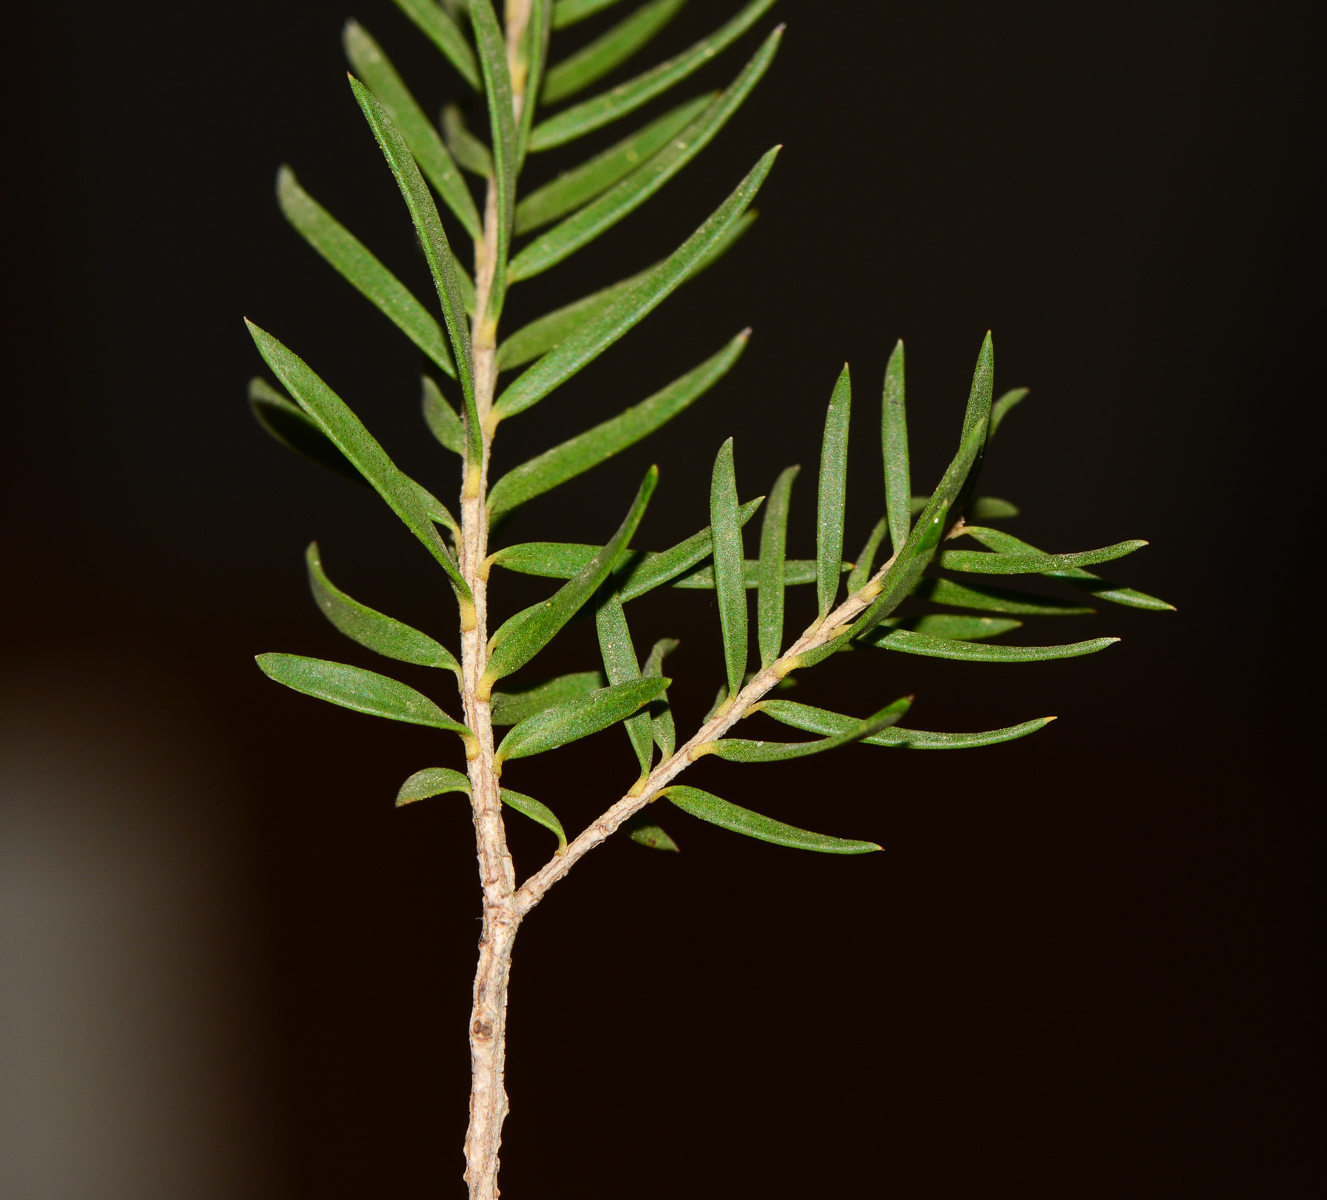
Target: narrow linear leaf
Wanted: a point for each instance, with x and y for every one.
(989, 508)
(943, 647)
(577, 718)
(644, 832)
(947, 625)
(608, 106)
(540, 813)
(819, 720)
(548, 331)
(545, 620)
(770, 580)
(511, 708)
(730, 588)
(568, 12)
(633, 305)
(383, 634)
(976, 422)
(831, 497)
(894, 439)
(640, 570)
(607, 51)
(437, 25)
(437, 250)
(355, 263)
(745, 751)
(795, 571)
(431, 781)
(1032, 564)
(469, 152)
(376, 70)
(620, 664)
(1000, 409)
(589, 449)
(350, 437)
(354, 688)
(441, 418)
(573, 188)
(294, 429)
(711, 808)
(631, 192)
(961, 595)
(502, 135)
(861, 571)
(1094, 585)
(661, 715)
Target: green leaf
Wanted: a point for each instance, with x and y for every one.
(573, 188)
(773, 544)
(745, 751)
(976, 422)
(511, 708)
(577, 718)
(1031, 564)
(438, 26)
(960, 595)
(795, 571)
(290, 426)
(502, 134)
(608, 106)
(633, 305)
(831, 497)
(373, 629)
(356, 263)
(861, 571)
(544, 620)
(943, 647)
(730, 588)
(711, 808)
(363, 691)
(607, 51)
(638, 571)
(441, 418)
(596, 445)
(642, 830)
(350, 437)
(431, 781)
(661, 715)
(631, 192)
(620, 663)
(894, 438)
(433, 241)
(468, 151)
(542, 335)
(988, 508)
(653, 570)
(568, 12)
(819, 720)
(1001, 408)
(1094, 585)
(946, 625)
(376, 70)
(541, 814)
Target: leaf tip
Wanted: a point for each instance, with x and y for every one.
(745, 335)
(1048, 720)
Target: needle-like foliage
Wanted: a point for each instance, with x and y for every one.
(482, 232)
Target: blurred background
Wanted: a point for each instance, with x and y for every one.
(228, 967)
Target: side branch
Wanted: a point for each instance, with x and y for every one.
(534, 888)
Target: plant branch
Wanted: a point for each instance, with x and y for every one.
(534, 889)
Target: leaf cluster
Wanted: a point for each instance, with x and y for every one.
(473, 380)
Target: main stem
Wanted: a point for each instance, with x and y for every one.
(497, 876)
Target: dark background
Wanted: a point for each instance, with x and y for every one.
(1077, 968)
